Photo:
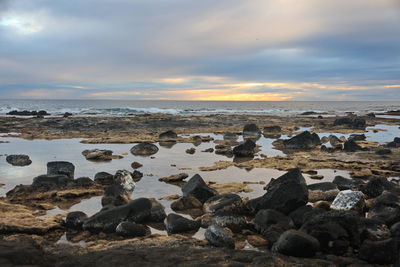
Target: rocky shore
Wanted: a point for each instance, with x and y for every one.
(349, 221)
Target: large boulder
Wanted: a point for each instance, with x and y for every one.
(50, 181)
(227, 203)
(177, 224)
(245, 150)
(351, 146)
(144, 149)
(349, 200)
(251, 130)
(130, 229)
(196, 187)
(345, 183)
(104, 178)
(379, 252)
(386, 208)
(75, 220)
(296, 243)
(271, 224)
(219, 237)
(61, 168)
(284, 194)
(119, 192)
(305, 140)
(19, 160)
(168, 135)
(124, 178)
(350, 122)
(375, 187)
(108, 219)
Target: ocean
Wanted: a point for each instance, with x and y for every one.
(129, 107)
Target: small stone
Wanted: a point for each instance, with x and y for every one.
(136, 165)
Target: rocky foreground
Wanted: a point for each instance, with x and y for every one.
(346, 222)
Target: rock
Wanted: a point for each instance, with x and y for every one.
(235, 223)
(324, 140)
(351, 122)
(345, 183)
(284, 194)
(395, 229)
(168, 135)
(197, 188)
(373, 229)
(75, 220)
(178, 224)
(136, 175)
(371, 114)
(349, 200)
(188, 205)
(61, 167)
(245, 150)
(197, 140)
(219, 237)
(130, 229)
(335, 230)
(230, 136)
(28, 113)
(334, 141)
(98, 154)
(227, 151)
(107, 220)
(322, 191)
(296, 243)
(375, 187)
(157, 213)
(386, 208)
(191, 150)
(384, 151)
(136, 165)
(305, 140)
(378, 252)
(299, 215)
(18, 160)
(358, 137)
(115, 195)
(144, 149)
(351, 146)
(124, 178)
(209, 150)
(84, 181)
(228, 203)
(316, 177)
(272, 224)
(67, 114)
(272, 129)
(251, 130)
(104, 178)
(50, 181)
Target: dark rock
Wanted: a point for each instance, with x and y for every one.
(228, 203)
(345, 183)
(84, 181)
(395, 229)
(50, 181)
(107, 220)
(298, 216)
(18, 160)
(191, 150)
(351, 146)
(28, 113)
(157, 214)
(235, 223)
(375, 187)
(352, 122)
(124, 178)
(144, 149)
(75, 220)
(309, 113)
(386, 208)
(197, 188)
(335, 141)
(373, 229)
(396, 140)
(284, 194)
(349, 200)
(371, 114)
(115, 195)
(305, 140)
(296, 243)
(130, 229)
(104, 178)
(136, 175)
(67, 114)
(358, 137)
(178, 224)
(168, 135)
(384, 151)
(230, 136)
(98, 154)
(272, 224)
(322, 191)
(188, 205)
(61, 167)
(379, 252)
(272, 129)
(245, 150)
(219, 237)
(251, 130)
(136, 165)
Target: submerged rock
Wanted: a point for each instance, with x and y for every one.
(197, 188)
(219, 237)
(136, 165)
(130, 229)
(296, 243)
(349, 200)
(144, 149)
(61, 167)
(178, 224)
(19, 160)
(75, 220)
(245, 150)
(305, 140)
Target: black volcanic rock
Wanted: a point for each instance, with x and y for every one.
(296, 243)
(245, 150)
(61, 168)
(19, 160)
(196, 187)
(144, 149)
(349, 121)
(305, 140)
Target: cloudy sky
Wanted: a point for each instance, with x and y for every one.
(200, 50)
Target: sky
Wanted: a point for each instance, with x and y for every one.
(200, 50)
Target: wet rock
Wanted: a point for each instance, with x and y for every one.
(50, 181)
(136, 165)
(375, 187)
(351, 146)
(373, 229)
(124, 178)
(324, 140)
(189, 205)
(168, 135)
(178, 224)
(235, 223)
(98, 154)
(61, 168)
(322, 191)
(305, 140)
(386, 208)
(299, 215)
(384, 151)
(107, 220)
(378, 252)
(296, 243)
(335, 230)
(28, 113)
(104, 178)
(358, 137)
(18, 160)
(345, 183)
(284, 194)
(351, 122)
(115, 195)
(335, 141)
(197, 188)
(272, 129)
(349, 200)
(223, 150)
(395, 229)
(229, 203)
(157, 213)
(245, 150)
(272, 224)
(190, 150)
(144, 149)
(251, 130)
(84, 181)
(75, 220)
(209, 150)
(257, 241)
(130, 229)
(136, 175)
(219, 237)
(67, 114)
